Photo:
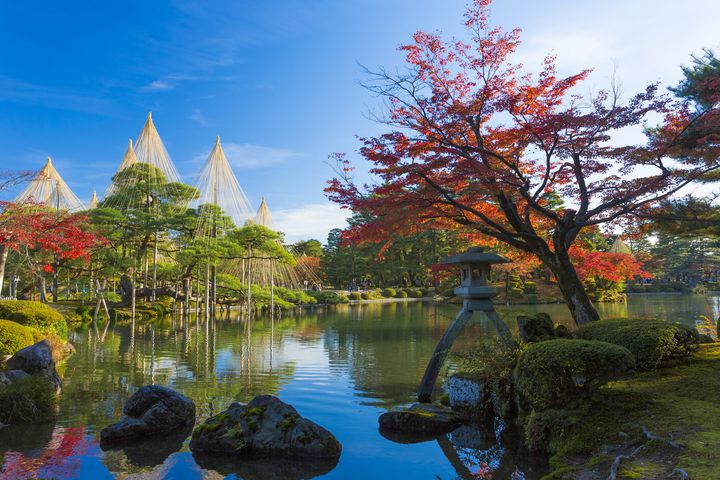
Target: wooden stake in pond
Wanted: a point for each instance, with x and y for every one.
(272, 288)
(132, 293)
(477, 296)
(207, 290)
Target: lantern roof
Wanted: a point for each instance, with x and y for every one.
(474, 256)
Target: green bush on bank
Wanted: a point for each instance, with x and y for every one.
(34, 314)
(14, 336)
(401, 294)
(328, 297)
(554, 372)
(389, 293)
(28, 400)
(355, 296)
(652, 342)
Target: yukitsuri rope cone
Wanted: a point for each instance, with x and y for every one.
(48, 187)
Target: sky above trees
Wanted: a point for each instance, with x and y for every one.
(279, 81)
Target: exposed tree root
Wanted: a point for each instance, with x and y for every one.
(649, 436)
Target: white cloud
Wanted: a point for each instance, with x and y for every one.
(247, 155)
(157, 86)
(199, 118)
(314, 220)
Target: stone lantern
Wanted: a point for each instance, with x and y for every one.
(477, 294)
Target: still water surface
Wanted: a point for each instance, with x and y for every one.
(339, 367)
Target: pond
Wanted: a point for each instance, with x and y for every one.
(340, 367)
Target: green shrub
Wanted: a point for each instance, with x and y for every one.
(28, 400)
(427, 291)
(327, 297)
(389, 293)
(544, 428)
(516, 292)
(14, 336)
(34, 314)
(417, 293)
(355, 296)
(365, 295)
(530, 287)
(651, 341)
(493, 362)
(401, 294)
(555, 372)
(297, 297)
(82, 315)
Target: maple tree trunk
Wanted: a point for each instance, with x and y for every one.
(572, 288)
(4, 250)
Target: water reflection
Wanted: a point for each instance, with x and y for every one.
(339, 367)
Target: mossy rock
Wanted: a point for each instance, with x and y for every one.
(535, 328)
(14, 336)
(265, 427)
(34, 314)
(652, 342)
(420, 418)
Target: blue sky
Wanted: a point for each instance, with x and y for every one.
(279, 81)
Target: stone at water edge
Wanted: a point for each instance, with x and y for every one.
(37, 359)
(152, 410)
(466, 392)
(12, 376)
(422, 418)
(266, 426)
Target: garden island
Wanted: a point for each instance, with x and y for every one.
(525, 283)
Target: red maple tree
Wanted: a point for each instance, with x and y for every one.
(476, 142)
(43, 236)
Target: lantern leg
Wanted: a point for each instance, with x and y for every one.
(502, 329)
(440, 354)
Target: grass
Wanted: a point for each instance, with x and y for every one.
(29, 400)
(679, 403)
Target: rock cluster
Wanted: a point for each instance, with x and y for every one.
(264, 427)
(152, 410)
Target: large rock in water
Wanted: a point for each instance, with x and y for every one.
(420, 418)
(37, 359)
(152, 410)
(265, 426)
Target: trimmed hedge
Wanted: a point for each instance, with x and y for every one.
(355, 296)
(555, 372)
(328, 297)
(14, 336)
(652, 342)
(389, 293)
(401, 294)
(34, 314)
